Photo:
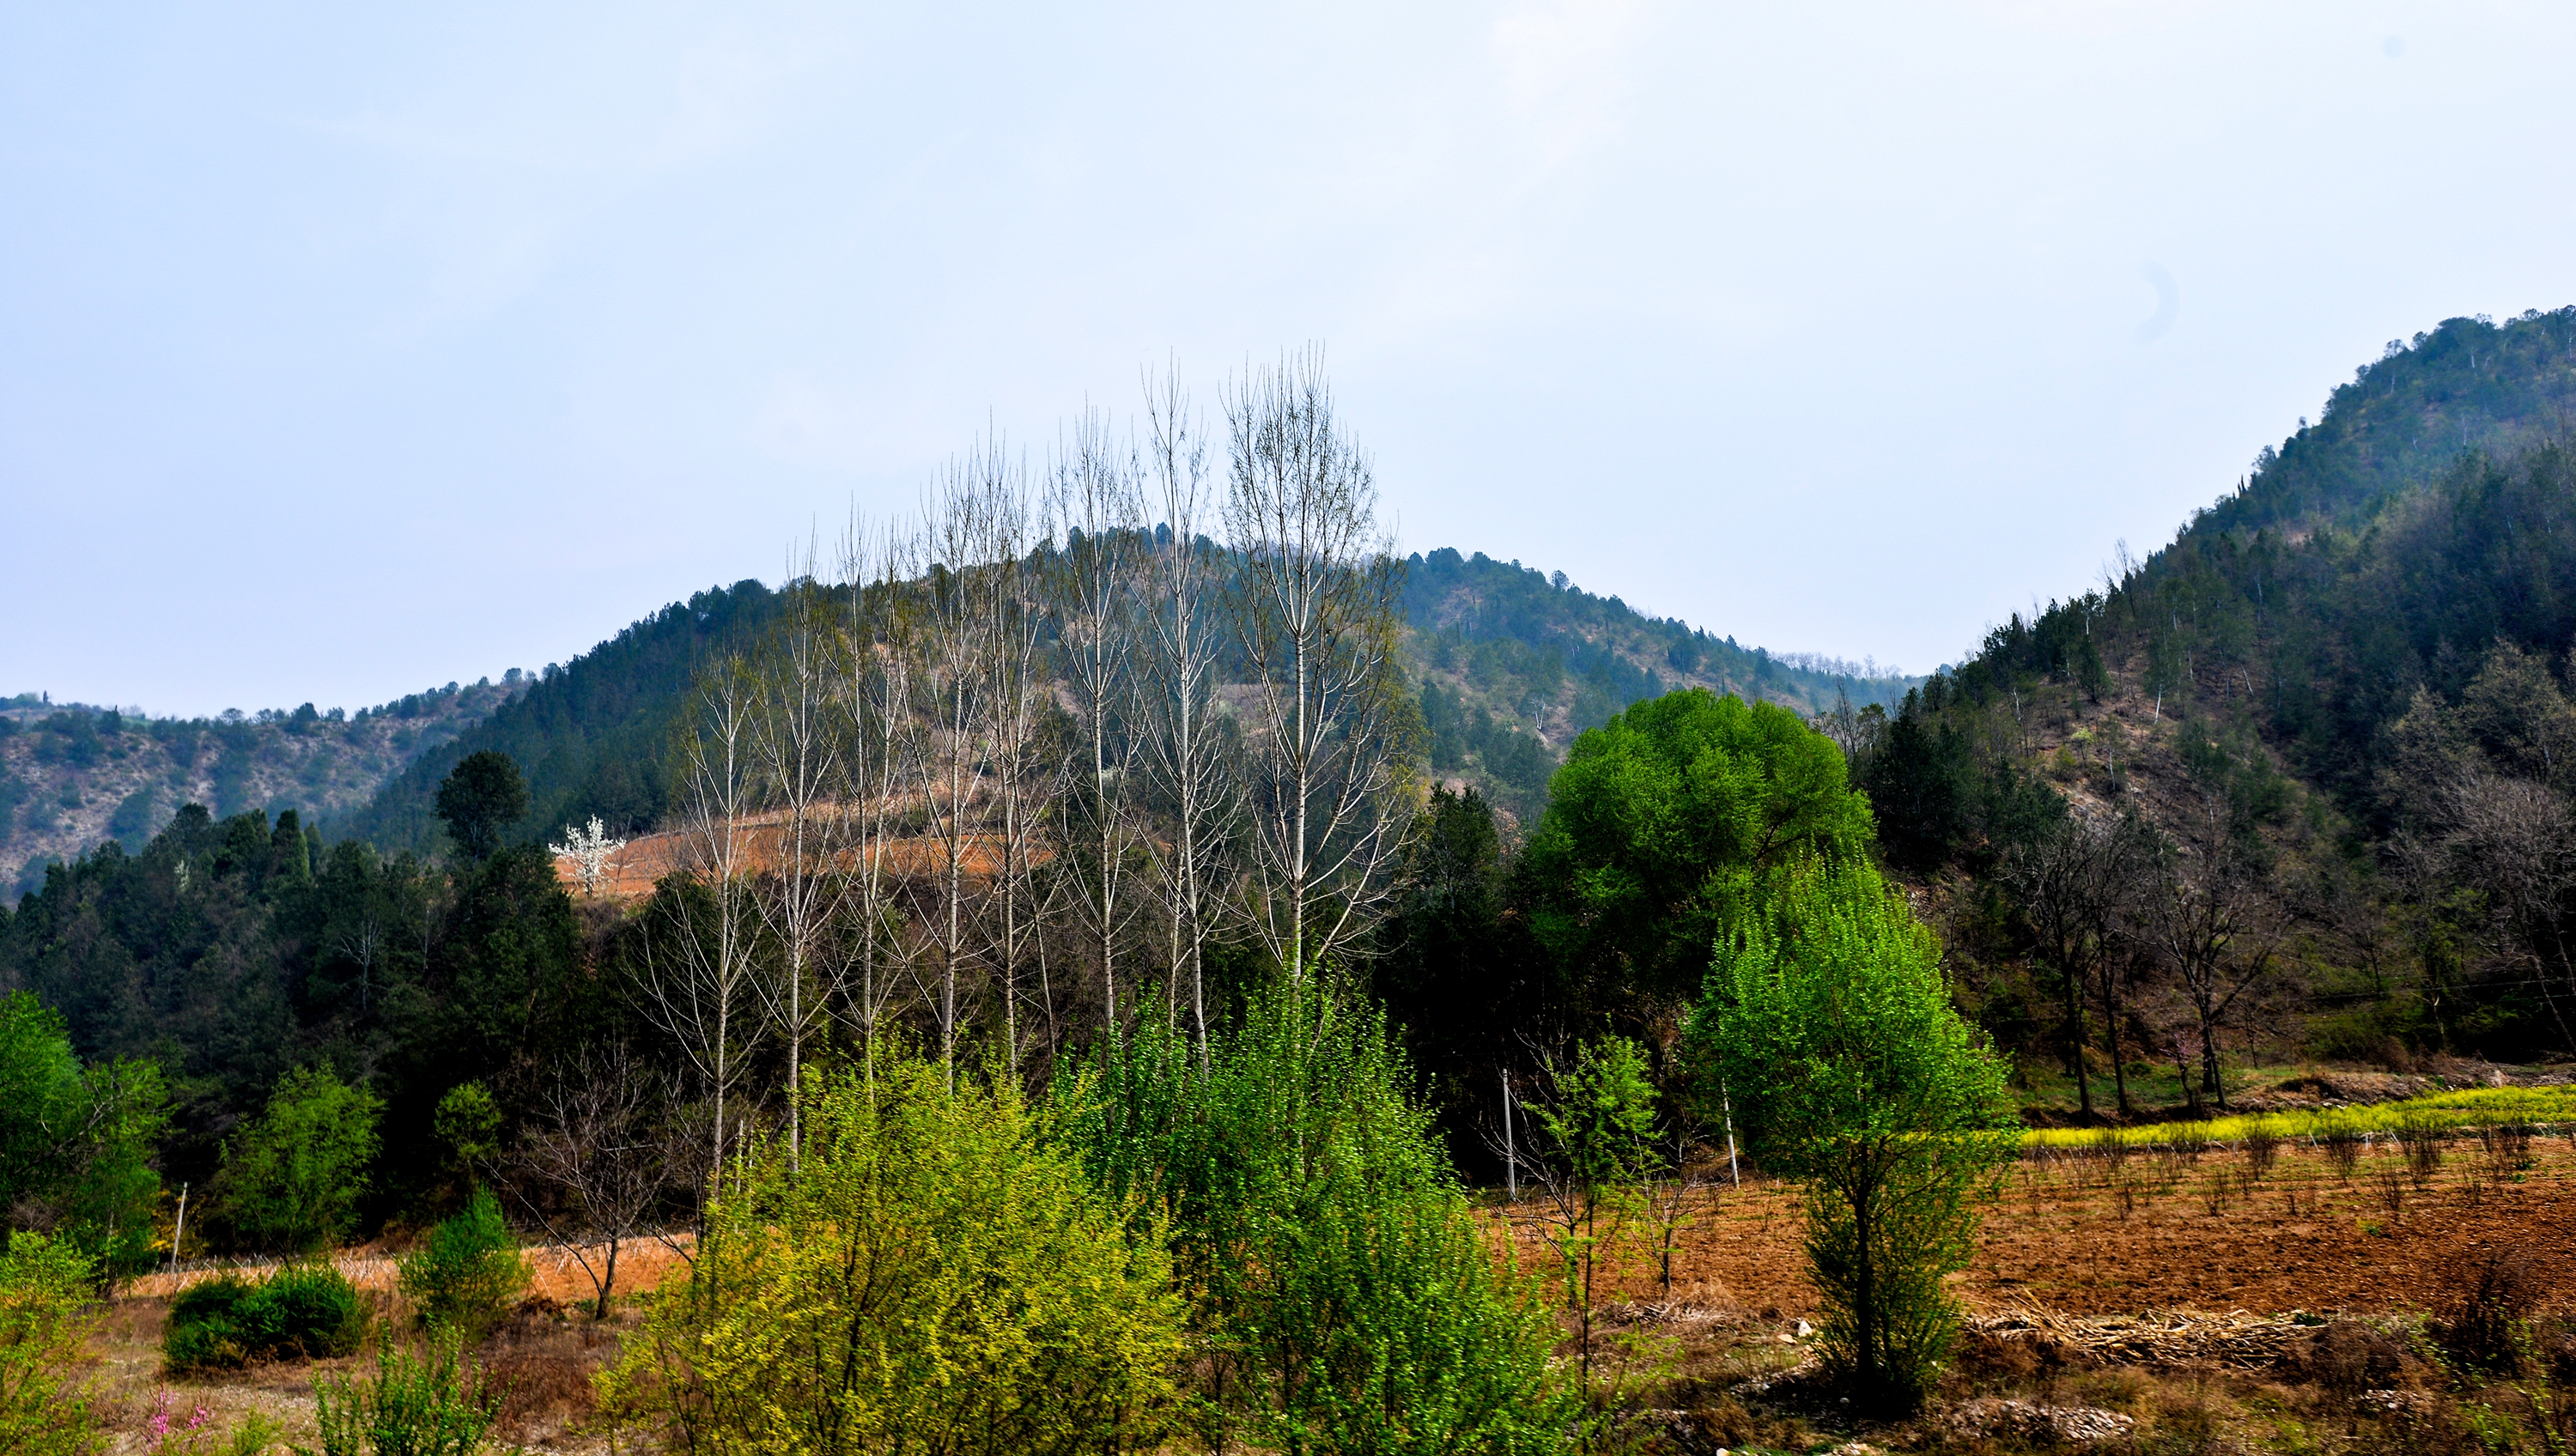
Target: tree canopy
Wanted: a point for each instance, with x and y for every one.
(1664, 826)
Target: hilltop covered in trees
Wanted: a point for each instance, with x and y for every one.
(1509, 664)
(72, 775)
(2293, 781)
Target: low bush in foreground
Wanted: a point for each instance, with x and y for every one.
(430, 1403)
(308, 1310)
(44, 1331)
(934, 1274)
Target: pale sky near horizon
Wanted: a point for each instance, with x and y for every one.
(349, 350)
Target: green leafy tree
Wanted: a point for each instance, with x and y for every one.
(480, 799)
(934, 1273)
(76, 1142)
(1830, 1023)
(469, 1122)
(292, 1179)
(1665, 825)
(1342, 1290)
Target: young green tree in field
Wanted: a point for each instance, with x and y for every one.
(1597, 1142)
(470, 1271)
(291, 1179)
(1830, 1022)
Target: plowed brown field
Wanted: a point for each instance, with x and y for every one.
(2298, 1237)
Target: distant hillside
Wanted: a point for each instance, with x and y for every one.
(593, 736)
(2371, 556)
(72, 775)
(2361, 657)
(1513, 664)
(2469, 384)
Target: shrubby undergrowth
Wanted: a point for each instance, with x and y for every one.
(307, 1310)
(468, 1273)
(1257, 1241)
(934, 1272)
(1342, 1294)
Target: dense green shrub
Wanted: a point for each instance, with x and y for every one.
(470, 1271)
(303, 1310)
(1344, 1295)
(935, 1274)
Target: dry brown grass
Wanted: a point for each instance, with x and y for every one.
(543, 1358)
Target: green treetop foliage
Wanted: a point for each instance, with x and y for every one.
(480, 799)
(1664, 827)
(1828, 1025)
(292, 1180)
(76, 1143)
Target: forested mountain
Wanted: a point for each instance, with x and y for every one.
(72, 775)
(592, 735)
(2469, 384)
(1510, 664)
(2332, 712)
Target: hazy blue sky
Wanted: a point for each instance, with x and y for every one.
(346, 351)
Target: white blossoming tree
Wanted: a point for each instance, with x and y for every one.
(590, 850)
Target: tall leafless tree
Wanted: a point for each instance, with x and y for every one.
(698, 971)
(797, 743)
(1314, 600)
(1092, 591)
(591, 1142)
(2214, 923)
(878, 763)
(2514, 839)
(1024, 770)
(954, 680)
(2072, 884)
(1184, 739)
